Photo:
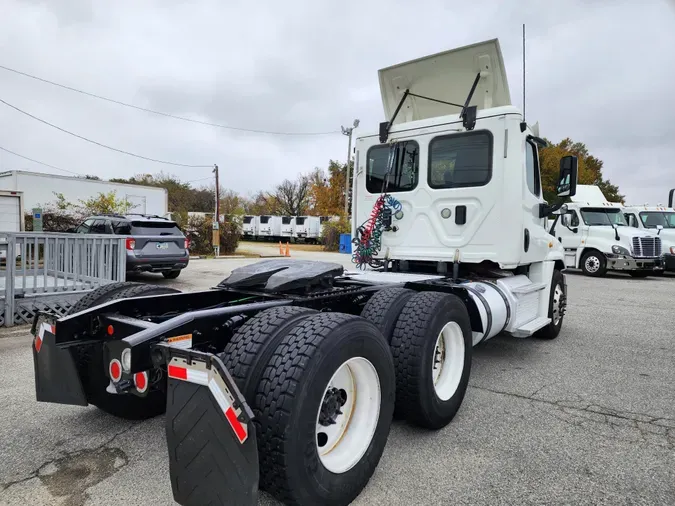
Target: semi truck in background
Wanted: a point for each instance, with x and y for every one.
(659, 220)
(597, 238)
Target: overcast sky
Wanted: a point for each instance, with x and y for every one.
(600, 72)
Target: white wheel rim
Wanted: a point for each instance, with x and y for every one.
(341, 444)
(448, 361)
(592, 264)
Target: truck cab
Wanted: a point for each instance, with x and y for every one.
(597, 238)
(659, 220)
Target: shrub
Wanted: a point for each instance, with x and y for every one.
(230, 232)
(330, 234)
(200, 232)
(53, 221)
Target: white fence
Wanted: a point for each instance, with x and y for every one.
(36, 264)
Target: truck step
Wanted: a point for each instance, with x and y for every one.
(531, 327)
(529, 288)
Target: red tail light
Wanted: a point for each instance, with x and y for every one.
(187, 243)
(131, 243)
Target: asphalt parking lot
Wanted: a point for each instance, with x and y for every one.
(586, 419)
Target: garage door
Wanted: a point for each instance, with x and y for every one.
(10, 214)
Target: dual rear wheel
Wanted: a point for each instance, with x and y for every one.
(323, 386)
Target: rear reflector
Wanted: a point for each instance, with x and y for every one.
(48, 327)
(115, 370)
(141, 381)
(202, 378)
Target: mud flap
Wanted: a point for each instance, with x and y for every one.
(56, 376)
(213, 454)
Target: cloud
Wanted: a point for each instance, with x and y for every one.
(599, 72)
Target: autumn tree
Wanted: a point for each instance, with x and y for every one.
(327, 190)
(293, 196)
(261, 203)
(590, 169)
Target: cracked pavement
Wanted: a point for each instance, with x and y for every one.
(588, 418)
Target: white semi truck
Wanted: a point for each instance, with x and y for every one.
(659, 220)
(286, 375)
(597, 238)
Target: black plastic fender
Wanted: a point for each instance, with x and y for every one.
(213, 452)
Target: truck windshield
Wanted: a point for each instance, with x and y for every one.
(286, 220)
(247, 219)
(264, 220)
(652, 219)
(299, 221)
(600, 216)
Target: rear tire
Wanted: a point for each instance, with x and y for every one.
(93, 370)
(432, 349)
(384, 308)
(99, 296)
(252, 346)
(295, 406)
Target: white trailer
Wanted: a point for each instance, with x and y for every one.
(597, 238)
(308, 228)
(659, 220)
(287, 230)
(39, 190)
(250, 228)
(269, 227)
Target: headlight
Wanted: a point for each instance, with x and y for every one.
(620, 250)
(672, 250)
(126, 359)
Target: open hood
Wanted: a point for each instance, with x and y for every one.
(446, 76)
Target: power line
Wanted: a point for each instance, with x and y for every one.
(39, 162)
(71, 171)
(100, 144)
(182, 118)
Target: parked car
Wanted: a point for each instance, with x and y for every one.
(154, 243)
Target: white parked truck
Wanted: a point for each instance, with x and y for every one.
(250, 227)
(308, 228)
(659, 220)
(286, 375)
(287, 229)
(597, 238)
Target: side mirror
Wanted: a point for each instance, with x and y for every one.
(670, 197)
(567, 181)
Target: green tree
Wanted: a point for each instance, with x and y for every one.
(590, 169)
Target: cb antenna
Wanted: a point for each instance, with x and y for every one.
(523, 72)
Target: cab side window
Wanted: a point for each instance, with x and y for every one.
(532, 169)
(574, 219)
(632, 220)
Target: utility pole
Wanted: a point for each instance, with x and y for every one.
(348, 132)
(216, 219)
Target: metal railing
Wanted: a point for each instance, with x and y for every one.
(35, 263)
